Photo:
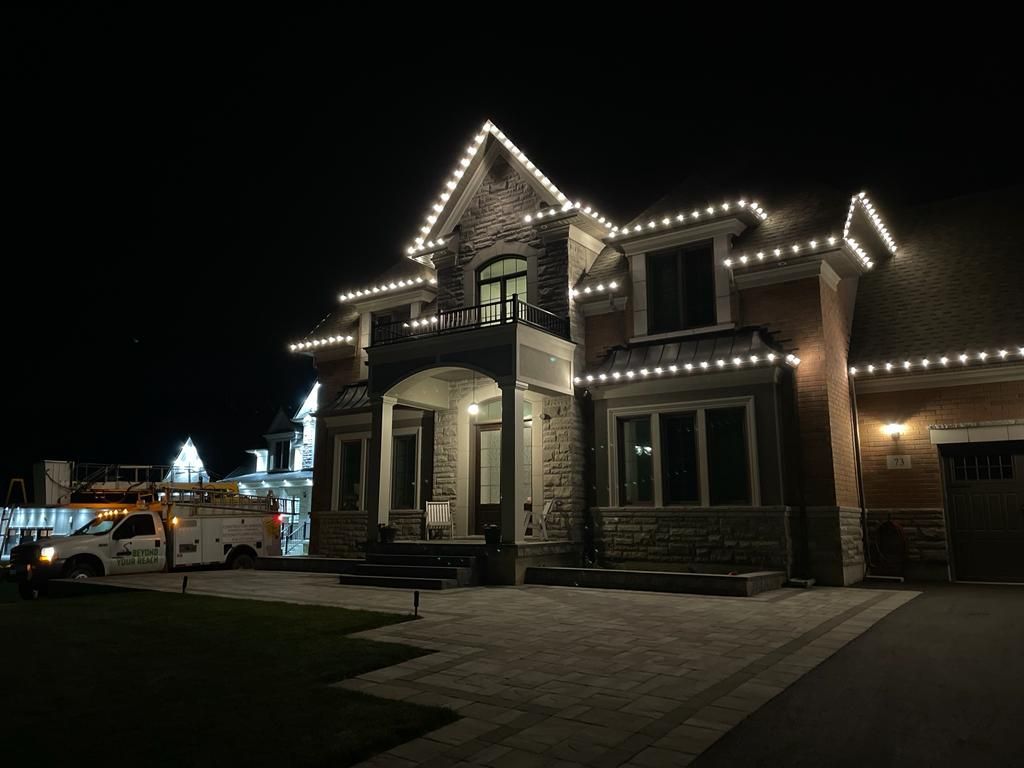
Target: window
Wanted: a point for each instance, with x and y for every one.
(727, 456)
(281, 456)
(497, 282)
(636, 461)
(681, 484)
(681, 288)
(136, 525)
(982, 467)
(403, 472)
(351, 481)
(703, 455)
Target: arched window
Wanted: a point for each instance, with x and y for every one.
(501, 279)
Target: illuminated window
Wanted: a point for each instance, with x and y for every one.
(497, 282)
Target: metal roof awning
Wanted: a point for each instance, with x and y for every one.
(722, 350)
(353, 397)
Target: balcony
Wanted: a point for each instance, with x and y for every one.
(498, 313)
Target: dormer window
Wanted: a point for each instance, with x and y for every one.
(681, 288)
(281, 455)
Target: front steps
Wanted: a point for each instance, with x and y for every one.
(408, 571)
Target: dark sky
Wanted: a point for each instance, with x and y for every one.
(187, 194)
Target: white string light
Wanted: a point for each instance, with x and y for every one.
(804, 248)
(697, 214)
(883, 232)
(939, 361)
(599, 288)
(673, 370)
(452, 182)
(566, 208)
(326, 341)
(410, 282)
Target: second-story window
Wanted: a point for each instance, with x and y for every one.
(499, 280)
(681, 288)
(281, 457)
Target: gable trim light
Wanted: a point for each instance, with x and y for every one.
(568, 207)
(410, 282)
(599, 288)
(326, 341)
(861, 199)
(800, 249)
(697, 214)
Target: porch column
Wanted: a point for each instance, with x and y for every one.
(513, 496)
(378, 469)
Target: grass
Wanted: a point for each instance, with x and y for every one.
(160, 679)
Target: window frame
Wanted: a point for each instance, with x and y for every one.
(502, 279)
(678, 252)
(699, 408)
(417, 432)
(339, 439)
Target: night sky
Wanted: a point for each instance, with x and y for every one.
(186, 195)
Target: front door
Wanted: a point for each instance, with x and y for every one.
(985, 484)
(487, 509)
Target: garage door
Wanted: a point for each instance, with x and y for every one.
(985, 484)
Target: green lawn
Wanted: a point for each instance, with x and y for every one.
(158, 679)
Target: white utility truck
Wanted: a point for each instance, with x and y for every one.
(177, 530)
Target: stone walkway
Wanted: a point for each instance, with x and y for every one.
(552, 676)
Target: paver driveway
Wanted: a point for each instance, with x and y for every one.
(570, 677)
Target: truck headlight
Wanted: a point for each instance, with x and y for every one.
(48, 554)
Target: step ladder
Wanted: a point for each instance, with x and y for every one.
(7, 513)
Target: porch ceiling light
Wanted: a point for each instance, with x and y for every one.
(474, 407)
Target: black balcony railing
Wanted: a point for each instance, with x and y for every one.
(466, 318)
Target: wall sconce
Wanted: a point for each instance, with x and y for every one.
(894, 430)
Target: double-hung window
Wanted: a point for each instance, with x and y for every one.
(681, 288)
(702, 455)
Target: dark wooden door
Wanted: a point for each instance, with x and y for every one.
(487, 496)
(985, 495)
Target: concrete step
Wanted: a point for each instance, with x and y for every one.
(428, 561)
(396, 582)
(462, 575)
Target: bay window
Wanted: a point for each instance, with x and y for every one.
(687, 455)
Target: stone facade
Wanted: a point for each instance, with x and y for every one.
(338, 534)
(740, 537)
(924, 530)
(564, 462)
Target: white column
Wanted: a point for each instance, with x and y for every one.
(513, 497)
(378, 470)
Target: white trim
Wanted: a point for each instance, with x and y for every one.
(699, 408)
(670, 335)
(940, 378)
(979, 433)
(349, 437)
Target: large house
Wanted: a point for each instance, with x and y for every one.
(748, 374)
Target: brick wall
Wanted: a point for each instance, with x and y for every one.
(750, 538)
(921, 485)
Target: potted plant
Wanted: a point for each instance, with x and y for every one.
(386, 533)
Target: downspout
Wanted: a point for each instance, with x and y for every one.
(860, 476)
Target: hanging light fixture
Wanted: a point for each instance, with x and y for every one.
(474, 407)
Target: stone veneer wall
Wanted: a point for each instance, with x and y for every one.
(745, 537)
(564, 461)
(339, 534)
(925, 533)
(835, 544)
(409, 523)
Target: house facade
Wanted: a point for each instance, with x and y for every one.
(285, 469)
(746, 376)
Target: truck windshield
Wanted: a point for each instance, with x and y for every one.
(98, 526)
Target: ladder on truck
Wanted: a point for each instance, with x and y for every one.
(7, 513)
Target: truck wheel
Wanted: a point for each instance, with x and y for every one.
(81, 571)
(243, 561)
